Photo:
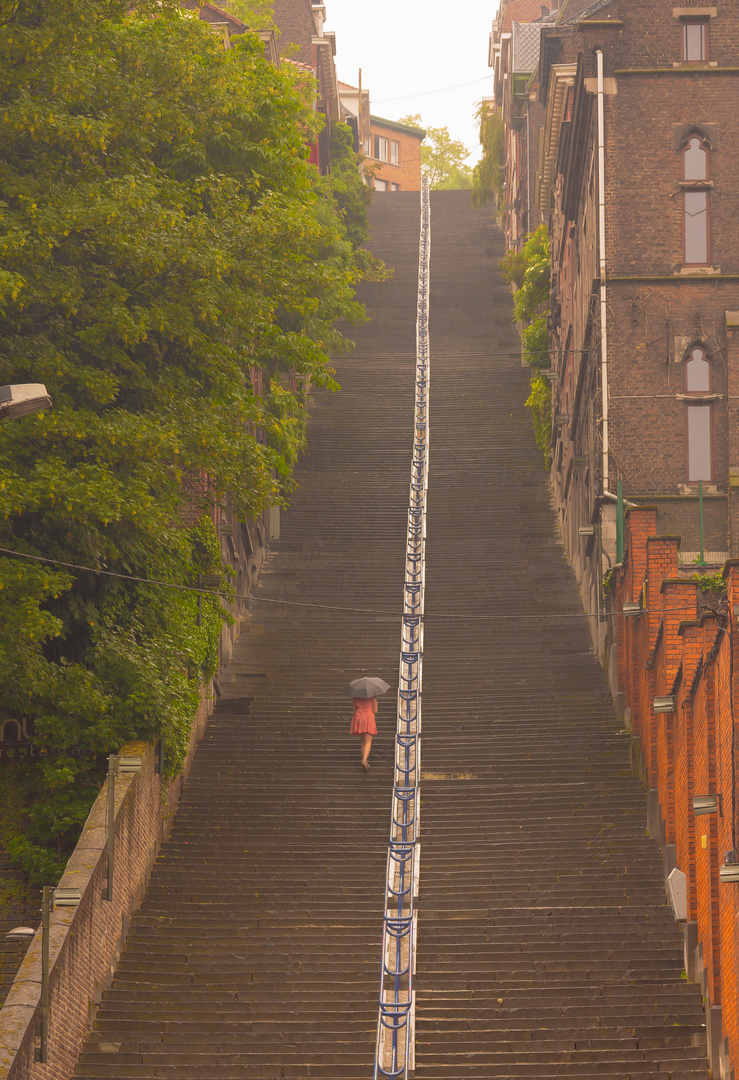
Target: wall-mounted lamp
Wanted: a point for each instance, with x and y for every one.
(587, 530)
(632, 607)
(129, 763)
(22, 399)
(664, 704)
(21, 933)
(67, 897)
(707, 804)
(730, 870)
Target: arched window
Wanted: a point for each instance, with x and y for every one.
(695, 201)
(699, 418)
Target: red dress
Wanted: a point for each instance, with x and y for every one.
(363, 721)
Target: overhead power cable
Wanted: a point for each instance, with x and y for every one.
(320, 607)
(430, 93)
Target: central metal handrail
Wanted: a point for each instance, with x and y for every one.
(394, 1046)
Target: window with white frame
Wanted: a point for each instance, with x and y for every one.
(394, 152)
(382, 148)
(695, 40)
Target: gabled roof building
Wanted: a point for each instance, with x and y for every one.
(393, 151)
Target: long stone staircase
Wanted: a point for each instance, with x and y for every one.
(545, 947)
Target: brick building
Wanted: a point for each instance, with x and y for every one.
(645, 270)
(513, 55)
(636, 164)
(303, 39)
(393, 151)
(678, 671)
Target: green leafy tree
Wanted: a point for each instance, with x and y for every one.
(488, 176)
(539, 402)
(443, 159)
(162, 234)
(350, 194)
(257, 14)
(529, 271)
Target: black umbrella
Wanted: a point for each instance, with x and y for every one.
(367, 687)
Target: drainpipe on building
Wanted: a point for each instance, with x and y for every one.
(528, 169)
(602, 257)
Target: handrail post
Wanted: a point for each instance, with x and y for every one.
(112, 771)
(46, 898)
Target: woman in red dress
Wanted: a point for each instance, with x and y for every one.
(363, 725)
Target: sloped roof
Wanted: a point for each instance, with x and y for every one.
(523, 11)
(297, 64)
(395, 125)
(213, 14)
(583, 9)
(526, 42)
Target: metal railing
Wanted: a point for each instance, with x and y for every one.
(394, 1048)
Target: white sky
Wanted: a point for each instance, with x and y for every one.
(415, 57)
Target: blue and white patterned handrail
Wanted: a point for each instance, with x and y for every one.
(394, 1047)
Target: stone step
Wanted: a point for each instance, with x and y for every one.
(545, 946)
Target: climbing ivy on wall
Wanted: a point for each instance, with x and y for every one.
(528, 271)
(488, 176)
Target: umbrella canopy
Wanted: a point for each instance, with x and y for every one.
(366, 687)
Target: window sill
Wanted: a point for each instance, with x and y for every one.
(695, 185)
(692, 488)
(698, 397)
(698, 271)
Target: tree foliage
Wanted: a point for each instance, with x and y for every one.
(162, 235)
(529, 271)
(351, 195)
(539, 402)
(488, 176)
(257, 14)
(443, 159)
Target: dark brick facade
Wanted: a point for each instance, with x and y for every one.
(625, 423)
(659, 306)
(294, 20)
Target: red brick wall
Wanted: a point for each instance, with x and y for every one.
(688, 751)
(407, 173)
(86, 942)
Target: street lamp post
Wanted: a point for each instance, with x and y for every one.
(51, 898)
(22, 399)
